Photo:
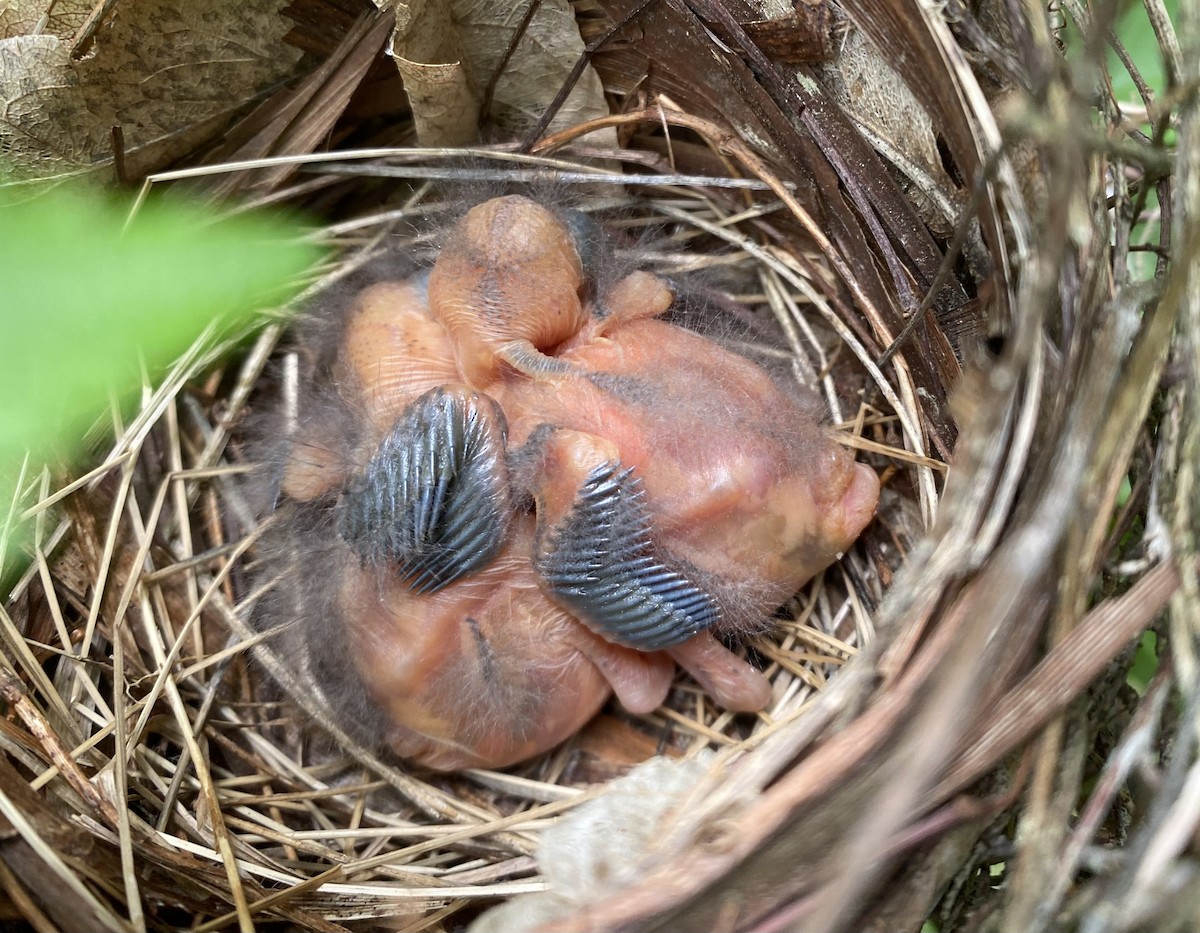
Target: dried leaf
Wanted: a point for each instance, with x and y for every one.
(868, 88)
(22, 17)
(298, 118)
(916, 42)
(42, 105)
(449, 54)
(168, 73)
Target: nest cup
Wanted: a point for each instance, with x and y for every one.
(951, 731)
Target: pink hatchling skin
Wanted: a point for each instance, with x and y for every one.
(745, 495)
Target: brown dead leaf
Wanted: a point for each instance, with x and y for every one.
(40, 123)
(899, 127)
(24, 17)
(167, 72)
(298, 118)
(448, 54)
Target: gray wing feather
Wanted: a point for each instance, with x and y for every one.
(434, 500)
(600, 564)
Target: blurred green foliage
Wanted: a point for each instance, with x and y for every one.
(1135, 34)
(1134, 30)
(91, 306)
(1145, 663)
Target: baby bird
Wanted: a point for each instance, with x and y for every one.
(527, 498)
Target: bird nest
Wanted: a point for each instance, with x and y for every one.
(996, 314)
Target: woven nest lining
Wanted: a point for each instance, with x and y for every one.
(226, 807)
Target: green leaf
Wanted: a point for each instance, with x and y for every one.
(1145, 663)
(90, 306)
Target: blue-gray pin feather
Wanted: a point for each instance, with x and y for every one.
(599, 563)
(434, 500)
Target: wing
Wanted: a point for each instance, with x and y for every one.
(434, 500)
(599, 562)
